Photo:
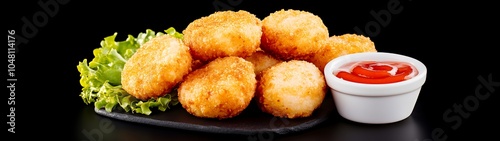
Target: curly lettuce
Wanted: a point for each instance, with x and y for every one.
(101, 77)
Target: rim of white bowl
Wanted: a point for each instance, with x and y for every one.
(374, 89)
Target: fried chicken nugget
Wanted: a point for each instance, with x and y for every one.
(291, 89)
(261, 61)
(221, 89)
(293, 34)
(156, 68)
(341, 45)
(222, 34)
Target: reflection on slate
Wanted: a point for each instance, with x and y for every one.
(405, 130)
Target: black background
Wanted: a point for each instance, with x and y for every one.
(456, 41)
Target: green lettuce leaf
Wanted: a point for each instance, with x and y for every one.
(101, 77)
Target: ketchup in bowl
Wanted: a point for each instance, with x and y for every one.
(375, 87)
(377, 72)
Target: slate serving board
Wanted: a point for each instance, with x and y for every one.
(250, 121)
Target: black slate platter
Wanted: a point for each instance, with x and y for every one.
(250, 121)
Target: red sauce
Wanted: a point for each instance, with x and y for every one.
(376, 72)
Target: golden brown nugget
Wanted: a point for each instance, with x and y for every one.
(261, 61)
(293, 34)
(222, 34)
(221, 89)
(291, 89)
(156, 68)
(341, 45)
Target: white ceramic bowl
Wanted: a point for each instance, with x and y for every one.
(375, 103)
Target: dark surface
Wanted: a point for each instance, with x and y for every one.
(457, 41)
(249, 122)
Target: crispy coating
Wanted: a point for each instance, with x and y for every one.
(293, 34)
(342, 45)
(222, 34)
(291, 89)
(156, 68)
(221, 89)
(261, 61)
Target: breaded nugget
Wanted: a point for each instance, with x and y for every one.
(293, 34)
(156, 68)
(291, 89)
(221, 89)
(342, 45)
(222, 34)
(261, 61)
